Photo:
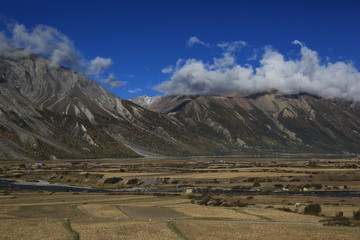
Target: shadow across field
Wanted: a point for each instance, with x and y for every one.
(54, 211)
(153, 213)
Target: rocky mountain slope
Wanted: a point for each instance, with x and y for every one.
(54, 112)
(271, 121)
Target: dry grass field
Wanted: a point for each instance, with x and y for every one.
(151, 213)
(168, 213)
(196, 211)
(102, 211)
(125, 231)
(104, 216)
(244, 231)
(225, 175)
(127, 174)
(34, 229)
(281, 216)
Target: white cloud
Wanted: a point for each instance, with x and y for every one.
(227, 61)
(168, 69)
(136, 90)
(253, 57)
(297, 42)
(98, 64)
(232, 46)
(48, 41)
(306, 74)
(112, 81)
(4, 43)
(195, 40)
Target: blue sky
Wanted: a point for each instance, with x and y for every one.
(144, 37)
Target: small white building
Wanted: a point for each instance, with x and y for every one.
(188, 190)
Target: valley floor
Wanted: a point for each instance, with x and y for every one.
(185, 214)
(44, 215)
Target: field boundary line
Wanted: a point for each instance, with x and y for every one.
(172, 226)
(67, 225)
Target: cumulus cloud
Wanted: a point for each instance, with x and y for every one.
(136, 90)
(232, 46)
(98, 64)
(168, 69)
(195, 40)
(50, 42)
(4, 44)
(253, 57)
(306, 74)
(112, 81)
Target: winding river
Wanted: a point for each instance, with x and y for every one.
(58, 187)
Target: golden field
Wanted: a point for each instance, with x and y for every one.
(167, 212)
(125, 216)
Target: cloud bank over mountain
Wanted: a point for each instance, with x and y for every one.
(290, 76)
(50, 42)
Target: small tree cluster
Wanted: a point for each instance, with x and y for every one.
(356, 215)
(312, 209)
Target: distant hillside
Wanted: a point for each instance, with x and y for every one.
(48, 112)
(271, 121)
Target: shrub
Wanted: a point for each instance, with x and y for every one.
(133, 181)
(356, 215)
(339, 214)
(285, 209)
(22, 166)
(257, 184)
(239, 204)
(113, 180)
(7, 192)
(312, 209)
(240, 188)
(205, 199)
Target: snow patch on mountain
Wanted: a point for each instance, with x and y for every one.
(146, 101)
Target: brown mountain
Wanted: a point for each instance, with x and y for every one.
(48, 112)
(271, 121)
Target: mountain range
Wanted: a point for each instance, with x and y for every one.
(49, 112)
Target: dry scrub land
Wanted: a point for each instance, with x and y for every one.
(44, 215)
(168, 212)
